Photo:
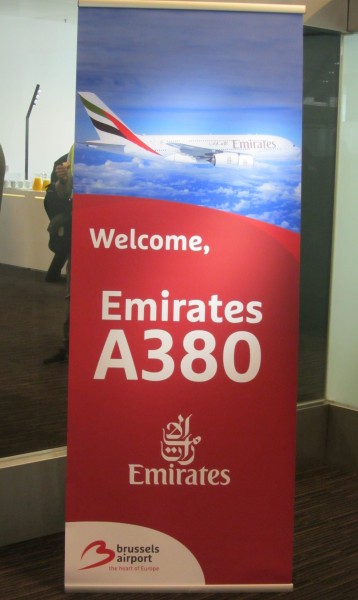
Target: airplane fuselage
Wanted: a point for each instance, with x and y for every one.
(218, 150)
(203, 147)
(256, 145)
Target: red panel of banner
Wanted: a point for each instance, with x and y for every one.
(182, 367)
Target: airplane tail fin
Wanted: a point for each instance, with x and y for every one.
(110, 129)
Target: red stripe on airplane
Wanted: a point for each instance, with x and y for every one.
(128, 134)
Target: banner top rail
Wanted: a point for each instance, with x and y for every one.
(195, 5)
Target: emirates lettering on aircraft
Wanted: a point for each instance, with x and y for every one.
(255, 144)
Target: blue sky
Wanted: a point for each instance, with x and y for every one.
(182, 72)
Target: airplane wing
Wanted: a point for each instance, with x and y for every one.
(195, 151)
(215, 157)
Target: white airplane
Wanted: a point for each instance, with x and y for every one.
(217, 150)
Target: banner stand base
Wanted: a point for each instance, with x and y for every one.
(284, 587)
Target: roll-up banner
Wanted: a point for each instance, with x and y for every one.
(184, 297)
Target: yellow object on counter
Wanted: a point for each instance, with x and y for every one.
(37, 184)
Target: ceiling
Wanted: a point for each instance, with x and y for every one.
(338, 15)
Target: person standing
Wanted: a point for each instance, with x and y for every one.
(58, 211)
(63, 187)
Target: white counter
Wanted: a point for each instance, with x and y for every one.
(23, 230)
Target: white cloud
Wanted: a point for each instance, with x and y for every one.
(241, 206)
(258, 194)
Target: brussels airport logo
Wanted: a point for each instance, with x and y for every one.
(99, 553)
(178, 450)
(131, 558)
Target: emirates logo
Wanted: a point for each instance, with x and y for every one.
(178, 444)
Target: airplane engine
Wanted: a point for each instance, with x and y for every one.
(231, 159)
(183, 158)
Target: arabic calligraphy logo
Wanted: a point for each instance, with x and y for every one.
(178, 443)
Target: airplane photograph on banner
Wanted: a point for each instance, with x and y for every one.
(218, 150)
(181, 124)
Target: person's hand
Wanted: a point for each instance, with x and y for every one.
(63, 172)
(64, 182)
